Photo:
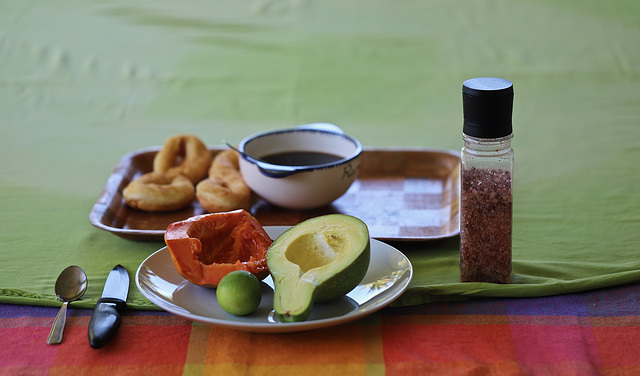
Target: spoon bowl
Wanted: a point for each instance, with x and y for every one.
(70, 285)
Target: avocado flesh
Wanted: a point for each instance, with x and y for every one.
(320, 259)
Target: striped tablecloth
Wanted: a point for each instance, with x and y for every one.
(591, 333)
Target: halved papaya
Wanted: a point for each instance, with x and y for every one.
(207, 247)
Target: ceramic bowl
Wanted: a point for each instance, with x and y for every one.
(299, 184)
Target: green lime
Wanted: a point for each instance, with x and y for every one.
(239, 292)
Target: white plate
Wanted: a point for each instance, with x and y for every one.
(388, 276)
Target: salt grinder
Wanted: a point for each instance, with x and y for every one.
(486, 198)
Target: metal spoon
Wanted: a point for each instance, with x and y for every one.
(70, 286)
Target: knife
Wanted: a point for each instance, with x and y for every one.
(105, 320)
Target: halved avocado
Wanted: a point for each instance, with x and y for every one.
(320, 259)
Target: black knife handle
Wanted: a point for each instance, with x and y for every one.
(105, 321)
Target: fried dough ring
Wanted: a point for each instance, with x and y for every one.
(183, 154)
(155, 192)
(224, 189)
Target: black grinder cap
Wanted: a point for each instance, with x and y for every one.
(487, 104)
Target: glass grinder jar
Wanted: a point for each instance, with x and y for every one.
(486, 198)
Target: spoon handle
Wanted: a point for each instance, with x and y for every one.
(55, 335)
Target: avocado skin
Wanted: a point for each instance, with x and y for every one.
(335, 287)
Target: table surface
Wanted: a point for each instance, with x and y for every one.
(84, 83)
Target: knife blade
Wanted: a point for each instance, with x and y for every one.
(106, 319)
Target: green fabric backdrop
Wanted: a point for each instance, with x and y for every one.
(82, 83)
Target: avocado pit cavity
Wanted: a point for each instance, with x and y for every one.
(315, 250)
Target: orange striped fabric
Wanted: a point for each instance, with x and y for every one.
(590, 333)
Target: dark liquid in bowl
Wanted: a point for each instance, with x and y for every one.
(300, 158)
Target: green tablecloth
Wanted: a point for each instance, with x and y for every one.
(82, 83)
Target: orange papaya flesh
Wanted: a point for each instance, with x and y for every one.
(207, 247)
